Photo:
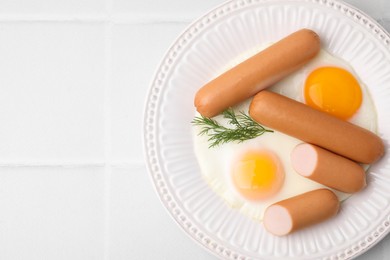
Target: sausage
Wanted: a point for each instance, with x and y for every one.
(256, 73)
(301, 211)
(316, 127)
(328, 168)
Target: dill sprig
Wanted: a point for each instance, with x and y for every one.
(245, 128)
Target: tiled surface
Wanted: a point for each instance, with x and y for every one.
(74, 75)
(136, 52)
(52, 213)
(50, 7)
(139, 226)
(52, 80)
(185, 9)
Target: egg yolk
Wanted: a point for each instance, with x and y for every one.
(257, 175)
(334, 91)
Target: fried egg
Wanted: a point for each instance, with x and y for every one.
(330, 84)
(252, 175)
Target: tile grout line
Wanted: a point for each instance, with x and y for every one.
(112, 163)
(135, 164)
(107, 132)
(58, 164)
(121, 18)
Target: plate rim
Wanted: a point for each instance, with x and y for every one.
(149, 117)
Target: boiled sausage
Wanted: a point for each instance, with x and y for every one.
(312, 126)
(256, 73)
(328, 168)
(300, 211)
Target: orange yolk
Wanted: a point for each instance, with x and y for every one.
(334, 91)
(257, 175)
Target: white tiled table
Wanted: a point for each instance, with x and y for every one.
(73, 77)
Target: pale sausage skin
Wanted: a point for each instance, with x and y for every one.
(301, 211)
(316, 127)
(258, 72)
(328, 168)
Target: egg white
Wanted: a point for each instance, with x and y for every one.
(292, 87)
(215, 163)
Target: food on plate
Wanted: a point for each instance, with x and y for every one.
(300, 211)
(333, 97)
(244, 128)
(316, 127)
(295, 86)
(328, 168)
(322, 102)
(230, 169)
(258, 72)
(258, 175)
(333, 90)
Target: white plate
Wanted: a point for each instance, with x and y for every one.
(197, 56)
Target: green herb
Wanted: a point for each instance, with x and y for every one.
(245, 128)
